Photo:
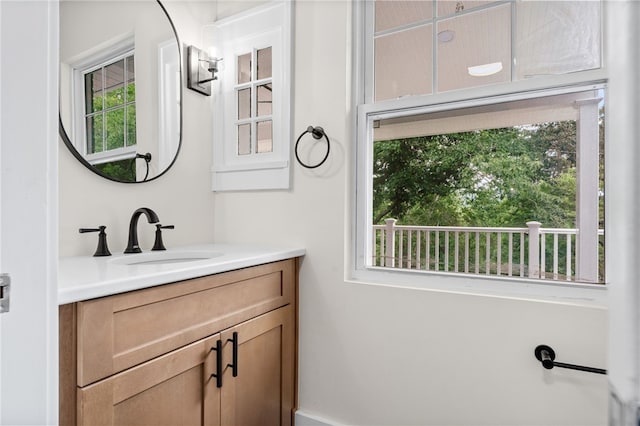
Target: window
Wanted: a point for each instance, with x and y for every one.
(104, 108)
(110, 108)
(252, 99)
(480, 152)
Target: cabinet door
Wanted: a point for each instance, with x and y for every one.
(262, 393)
(174, 389)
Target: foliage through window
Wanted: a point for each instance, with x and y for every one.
(465, 191)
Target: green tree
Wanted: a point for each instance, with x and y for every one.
(496, 177)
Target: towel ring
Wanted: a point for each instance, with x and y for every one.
(317, 133)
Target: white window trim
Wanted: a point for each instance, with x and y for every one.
(119, 47)
(271, 26)
(357, 272)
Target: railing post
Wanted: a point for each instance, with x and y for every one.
(534, 249)
(390, 243)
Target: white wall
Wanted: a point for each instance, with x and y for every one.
(384, 355)
(182, 197)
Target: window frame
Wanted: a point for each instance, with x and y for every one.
(366, 110)
(264, 26)
(105, 56)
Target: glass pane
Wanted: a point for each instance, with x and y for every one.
(265, 99)
(131, 80)
(115, 129)
(94, 134)
(482, 167)
(264, 63)
(93, 91)
(557, 37)
(450, 7)
(265, 136)
(244, 139)
(114, 84)
(474, 49)
(131, 125)
(394, 13)
(244, 103)
(403, 64)
(244, 68)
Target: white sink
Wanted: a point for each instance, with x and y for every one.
(165, 257)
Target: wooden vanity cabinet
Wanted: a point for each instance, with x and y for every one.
(255, 338)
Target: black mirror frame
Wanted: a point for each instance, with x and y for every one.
(67, 141)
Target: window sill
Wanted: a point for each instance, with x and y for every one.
(590, 295)
(256, 176)
(112, 155)
(250, 166)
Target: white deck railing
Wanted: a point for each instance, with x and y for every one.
(533, 252)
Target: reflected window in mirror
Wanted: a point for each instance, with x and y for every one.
(105, 111)
(110, 110)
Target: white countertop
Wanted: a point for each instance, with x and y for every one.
(88, 277)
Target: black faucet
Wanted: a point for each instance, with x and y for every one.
(152, 217)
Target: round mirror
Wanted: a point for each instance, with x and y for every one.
(120, 87)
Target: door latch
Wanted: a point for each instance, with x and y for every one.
(5, 285)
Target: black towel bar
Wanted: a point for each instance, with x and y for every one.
(317, 133)
(546, 355)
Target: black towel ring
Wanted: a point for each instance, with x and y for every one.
(317, 133)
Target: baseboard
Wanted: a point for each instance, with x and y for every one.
(306, 419)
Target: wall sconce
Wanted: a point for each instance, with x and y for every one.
(201, 70)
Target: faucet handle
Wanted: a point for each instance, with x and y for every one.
(158, 244)
(102, 249)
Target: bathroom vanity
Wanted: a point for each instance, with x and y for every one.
(177, 337)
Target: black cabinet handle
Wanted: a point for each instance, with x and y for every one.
(546, 355)
(218, 374)
(234, 364)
